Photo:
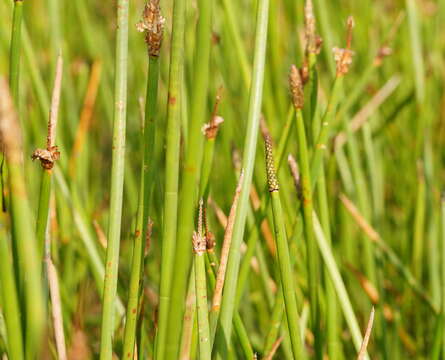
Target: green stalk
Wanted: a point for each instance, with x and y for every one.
(283, 256)
(419, 225)
(253, 119)
(199, 248)
(262, 212)
(11, 309)
(171, 176)
(45, 184)
(117, 182)
(15, 50)
(296, 86)
(23, 236)
(191, 169)
(332, 323)
(323, 136)
(153, 39)
(339, 285)
(240, 330)
(442, 238)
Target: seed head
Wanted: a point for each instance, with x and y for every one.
(296, 87)
(270, 166)
(47, 157)
(152, 24)
(343, 57)
(199, 241)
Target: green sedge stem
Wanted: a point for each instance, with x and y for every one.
(117, 182)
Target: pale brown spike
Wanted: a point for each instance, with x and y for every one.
(153, 24)
(296, 87)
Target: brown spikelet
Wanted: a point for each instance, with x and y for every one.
(152, 24)
(296, 87)
(270, 166)
(309, 24)
(199, 241)
(210, 130)
(343, 57)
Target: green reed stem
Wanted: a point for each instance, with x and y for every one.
(171, 178)
(15, 50)
(117, 182)
(147, 178)
(191, 170)
(45, 184)
(312, 253)
(253, 119)
(240, 330)
(332, 323)
(321, 143)
(283, 256)
(339, 285)
(442, 243)
(11, 309)
(205, 351)
(29, 265)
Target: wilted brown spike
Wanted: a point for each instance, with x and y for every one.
(296, 87)
(153, 24)
(343, 57)
(309, 21)
(270, 166)
(350, 25)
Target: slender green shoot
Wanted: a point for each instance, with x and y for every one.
(283, 256)
(199, 248)
(253, 119)
(152, 23)
(117, 182)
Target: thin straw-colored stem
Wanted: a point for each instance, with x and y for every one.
(389, 253)
(216, 301)
(117, 182)
(362, 353)
(56, 308)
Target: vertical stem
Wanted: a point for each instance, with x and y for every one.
(11, 309)
(228, 301)
(312, 253)
(147, 177)
(201, 307)
(171, 173)
(284, 263)
(442, 208)
(23, 236)
(14, 55)
(45, 184)
(191, 169)
(117, 182)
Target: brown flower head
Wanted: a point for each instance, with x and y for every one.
(152, 24)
